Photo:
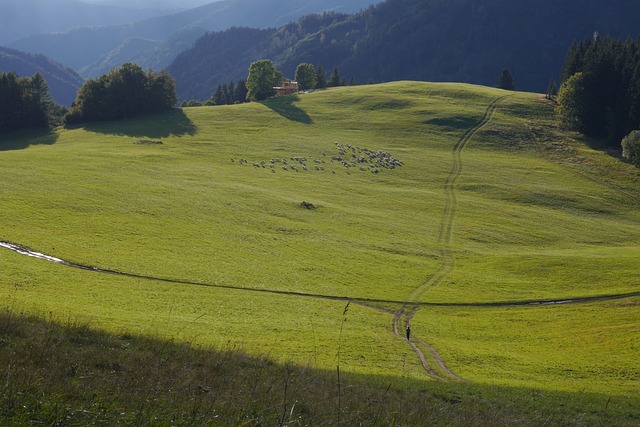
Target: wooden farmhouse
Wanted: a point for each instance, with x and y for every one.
(286, 87)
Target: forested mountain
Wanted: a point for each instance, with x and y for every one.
(463, 40)
(23, 18)
(156, 42)
(63, 82)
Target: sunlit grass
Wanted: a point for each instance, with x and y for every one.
(532, 221)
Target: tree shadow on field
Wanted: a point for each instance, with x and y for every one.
(285, 106)
(161, 125)
(20, 140)
(603, 145)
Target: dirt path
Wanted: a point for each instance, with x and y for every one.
(409, 309)
(367, 302)
(446, 223)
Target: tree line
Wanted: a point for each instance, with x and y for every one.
(600, 93)
(122, 93)
(226, 94)
(262, 80)
(25, 102)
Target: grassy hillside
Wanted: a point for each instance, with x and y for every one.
(490, 204)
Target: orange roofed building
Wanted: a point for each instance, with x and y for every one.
(286, 87)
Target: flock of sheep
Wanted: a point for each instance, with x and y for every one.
(351, 158)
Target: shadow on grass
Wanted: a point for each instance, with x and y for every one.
(285, 106)
(136, 378)
(603, 145)
(162, 125)
(20, 140)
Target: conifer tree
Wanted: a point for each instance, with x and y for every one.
(240, 92)
(506, 81)
(321, 77)
(552, 91)
(335, 79)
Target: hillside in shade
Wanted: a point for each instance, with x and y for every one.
(63, 82)
(465, 41)
(155, 42)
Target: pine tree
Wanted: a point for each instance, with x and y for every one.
(240, 92)
(42, 103)
(506, 81)
(335, 79)
(552, 91)
(321, 77)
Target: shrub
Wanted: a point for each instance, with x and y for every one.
(631, 147)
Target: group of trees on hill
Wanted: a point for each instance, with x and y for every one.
(231, 93)
(25, 102)
(600, 95)
(122, 93)
(226, 94)
(261, 82)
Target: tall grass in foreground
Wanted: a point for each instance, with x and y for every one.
(57, 374)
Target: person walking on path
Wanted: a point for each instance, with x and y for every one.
(408, 332)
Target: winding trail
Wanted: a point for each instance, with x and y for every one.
(373, 303)
(409, 309)
(446, 223)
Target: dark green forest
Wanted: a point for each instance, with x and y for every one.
(25, 102)
(123, 93)
(601, 92)
(434, 40)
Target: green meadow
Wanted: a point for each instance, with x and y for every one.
(534, 213)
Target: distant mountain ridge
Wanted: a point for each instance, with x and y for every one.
(92, 50)
(24, 18)
(63, 82)
(465, 40)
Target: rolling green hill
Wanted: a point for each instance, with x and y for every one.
(510, 246)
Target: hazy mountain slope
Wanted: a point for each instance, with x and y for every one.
(220, 57)
(154, 4)
(23, 18)
(63, 82)
(81, 48)
(466, 40)
(148, 53)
